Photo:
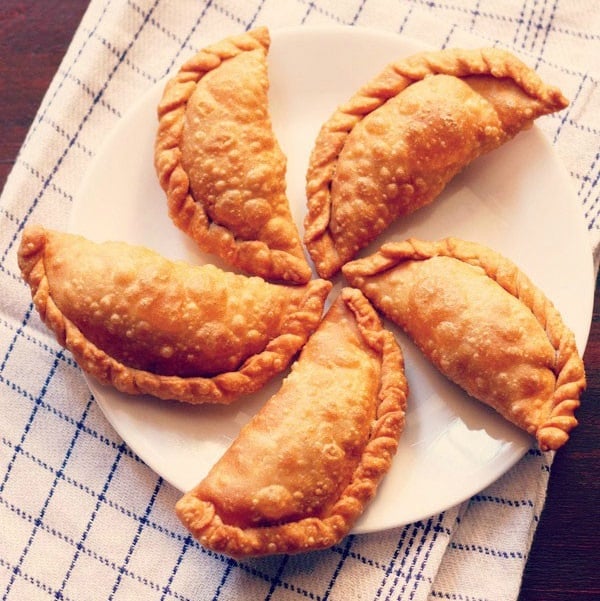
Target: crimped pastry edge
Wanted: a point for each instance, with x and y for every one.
(568, 366)
(223, 388)
(252, 256)
(390, 82)
(313, 533)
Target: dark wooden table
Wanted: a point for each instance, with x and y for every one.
(565, 557)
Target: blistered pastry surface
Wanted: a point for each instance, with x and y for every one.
(149, 325)
(484, 324)
(220, 165)
(303, 469)
(394, 146)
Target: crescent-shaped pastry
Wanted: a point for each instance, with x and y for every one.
(394, 146)
(485, 325)
(220, 165)
(304, 467)
(145, 324)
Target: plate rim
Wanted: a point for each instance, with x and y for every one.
(277, 35)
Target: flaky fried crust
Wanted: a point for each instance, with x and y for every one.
(521, 349)
(220, 165)
(303, 469)
(146, 325)
(397, 142)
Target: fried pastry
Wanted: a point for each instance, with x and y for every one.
(485, 325)
(220, 164)
(303, 469)
(394, 146)
(145, 324)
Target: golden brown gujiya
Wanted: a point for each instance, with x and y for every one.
(303, 469)
(485, 325)
(145, 324)
(219, 162)
(394, 146)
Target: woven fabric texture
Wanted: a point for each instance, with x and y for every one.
(82, 517)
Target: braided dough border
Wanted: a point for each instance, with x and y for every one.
(312, 533)
(253, 256)
(395, 78)
(568, 366)
(222, 388)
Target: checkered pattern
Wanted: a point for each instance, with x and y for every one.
(81, 517)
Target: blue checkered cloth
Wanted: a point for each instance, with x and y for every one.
(81, 516)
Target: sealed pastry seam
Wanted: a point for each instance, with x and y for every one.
(275, 253)
(203, 515)
(329, 244)
(251, 375)
(559, 412)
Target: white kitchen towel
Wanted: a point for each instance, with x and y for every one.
(81, 517)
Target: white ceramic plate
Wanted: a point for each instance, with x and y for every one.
(517, 200)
